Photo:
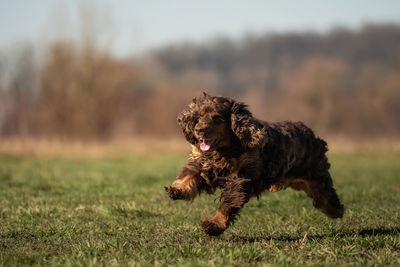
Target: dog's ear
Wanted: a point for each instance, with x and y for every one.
(187, 120)
(205, 95)
(250, 131)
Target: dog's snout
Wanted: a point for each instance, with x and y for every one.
(200, 127)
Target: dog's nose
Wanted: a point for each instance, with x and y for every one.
(200, 128)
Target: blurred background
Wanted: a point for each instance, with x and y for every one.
(100, 71)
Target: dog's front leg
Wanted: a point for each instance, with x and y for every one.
(235, 194)
(187, 183)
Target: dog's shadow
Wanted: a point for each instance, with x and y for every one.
(339, 234)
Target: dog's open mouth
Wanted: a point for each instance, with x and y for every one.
(206, 145)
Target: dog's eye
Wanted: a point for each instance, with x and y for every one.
(218, 119)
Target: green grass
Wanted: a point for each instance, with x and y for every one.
(56, 211)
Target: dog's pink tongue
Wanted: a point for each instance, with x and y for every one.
(205, 145)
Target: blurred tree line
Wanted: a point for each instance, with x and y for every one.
(342, 82)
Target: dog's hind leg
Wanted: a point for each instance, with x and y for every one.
(320, 189)
(324, 196)
(233, 197)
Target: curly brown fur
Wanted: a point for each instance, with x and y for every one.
(244, 157)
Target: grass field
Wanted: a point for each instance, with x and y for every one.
(85, 212)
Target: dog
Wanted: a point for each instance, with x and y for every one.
(245, 156)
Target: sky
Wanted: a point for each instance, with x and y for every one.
(131, 26)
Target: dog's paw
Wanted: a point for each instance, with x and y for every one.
(211, 227)
(174, 193)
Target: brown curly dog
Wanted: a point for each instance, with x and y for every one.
(244, 156)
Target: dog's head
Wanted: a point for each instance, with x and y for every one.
(212, 122)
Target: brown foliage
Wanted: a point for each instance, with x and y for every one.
(84, 95)
(342, 83)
